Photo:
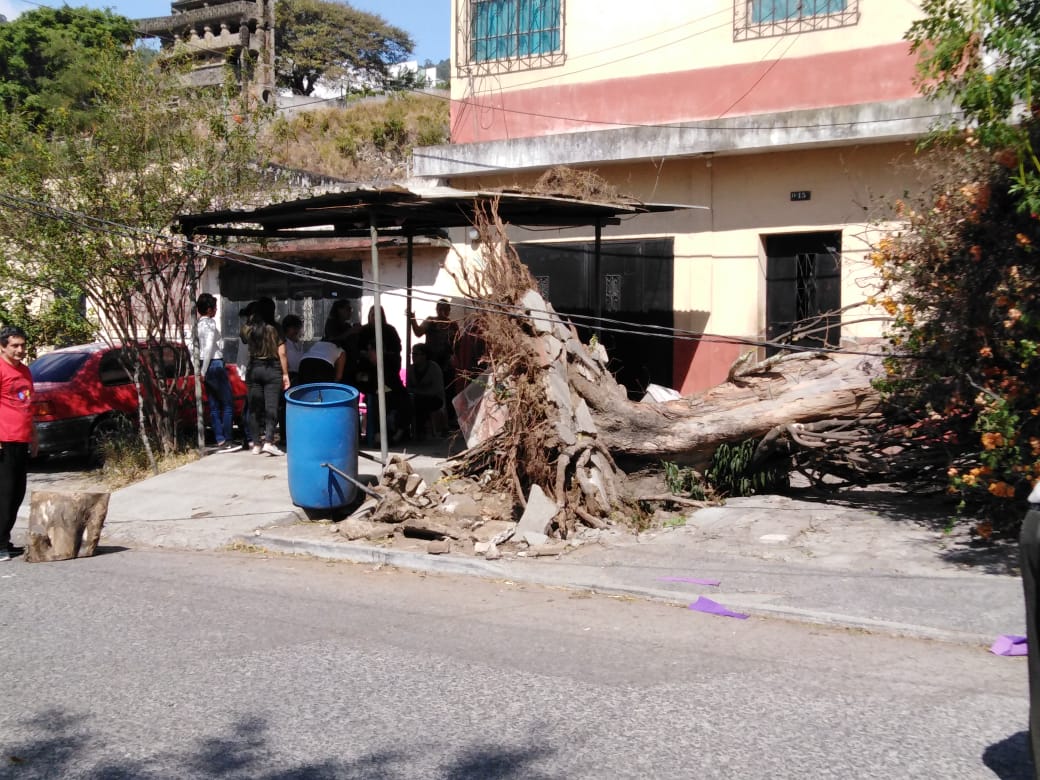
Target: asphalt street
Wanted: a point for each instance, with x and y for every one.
(165, 664)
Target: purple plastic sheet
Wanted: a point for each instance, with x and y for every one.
(1009, 644)
(694, 580)
(703, 604)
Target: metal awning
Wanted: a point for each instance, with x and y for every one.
(397, 210)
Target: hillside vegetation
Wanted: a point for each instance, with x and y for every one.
(367, 141)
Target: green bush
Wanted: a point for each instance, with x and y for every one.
(730, 474)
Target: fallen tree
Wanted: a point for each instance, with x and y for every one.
(798, 388)
(553, 416)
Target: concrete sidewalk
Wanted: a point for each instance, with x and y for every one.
(772, 556)
(874, 564)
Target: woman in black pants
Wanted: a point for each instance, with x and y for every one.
(268, 374)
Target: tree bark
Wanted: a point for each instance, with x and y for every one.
(799, 388)
(64, 525)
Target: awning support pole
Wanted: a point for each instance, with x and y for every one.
(408, 303)
(380, 379)
(597, 286)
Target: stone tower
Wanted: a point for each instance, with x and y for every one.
(221, 33)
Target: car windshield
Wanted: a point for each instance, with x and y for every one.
(57, 366)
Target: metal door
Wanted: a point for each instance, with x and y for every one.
(803, 289)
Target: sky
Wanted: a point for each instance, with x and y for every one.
(427, 21)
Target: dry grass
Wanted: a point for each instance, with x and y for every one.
(367, 141)
(126, 462)
(574, 183)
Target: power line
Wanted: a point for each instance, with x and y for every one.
(628, 56)
(352, 282)
(679, 126)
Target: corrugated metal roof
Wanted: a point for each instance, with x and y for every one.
(399, 210)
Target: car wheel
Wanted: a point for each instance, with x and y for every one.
(107, 433)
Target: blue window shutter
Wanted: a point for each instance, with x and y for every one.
(509, 28)
(769, 11)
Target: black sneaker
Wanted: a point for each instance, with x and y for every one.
(14, 550)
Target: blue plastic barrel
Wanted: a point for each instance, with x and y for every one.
(321, 420)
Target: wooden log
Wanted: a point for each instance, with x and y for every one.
(798, 389)
(64, 525)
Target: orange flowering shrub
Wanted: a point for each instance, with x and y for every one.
(962, 283)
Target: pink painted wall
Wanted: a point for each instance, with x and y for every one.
(865, 75)
(699, 365)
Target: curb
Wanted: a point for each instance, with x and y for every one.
(449, 564)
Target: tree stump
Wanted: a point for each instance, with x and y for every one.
(64, 525)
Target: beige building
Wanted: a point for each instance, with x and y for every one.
(790, 124)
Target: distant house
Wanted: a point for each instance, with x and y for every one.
(787, 120)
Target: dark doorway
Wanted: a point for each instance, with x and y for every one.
(803, 289)
(636, 286)
(305, 297)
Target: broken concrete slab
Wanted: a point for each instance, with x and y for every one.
(414, 485)
(422, 528)
(583, 419)
(538, 514)
(461, 505)
(535, 306)
(504, 535)
(549, 350)
(356, 528)
(542, 550)
(534, 539)
(559, 389)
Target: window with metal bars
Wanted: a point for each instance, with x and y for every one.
(766, 18)
(805, 286)
(505, 35)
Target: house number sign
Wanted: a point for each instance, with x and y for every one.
(801, 195)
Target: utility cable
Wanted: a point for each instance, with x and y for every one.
(351, 282)
(656, 125)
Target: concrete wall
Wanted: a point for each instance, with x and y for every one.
(430, 280)
(669, 62)
(720, 263)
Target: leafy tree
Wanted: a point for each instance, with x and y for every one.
(44, 59)
(961, 280)
(984, 55)
(444, 71)
(87, 214)
(317, 39)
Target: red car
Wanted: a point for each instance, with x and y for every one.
(83, 394)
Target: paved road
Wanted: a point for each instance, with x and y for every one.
(161, 664)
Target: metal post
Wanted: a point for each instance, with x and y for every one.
(408, 304)
(597, 285)
(380, 380)
(196, 358)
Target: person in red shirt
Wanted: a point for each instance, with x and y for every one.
(17, 433)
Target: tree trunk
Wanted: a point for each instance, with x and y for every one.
(64, 525)
(800, 388)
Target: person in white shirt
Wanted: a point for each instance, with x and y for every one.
(323, 362)
(214, 373)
